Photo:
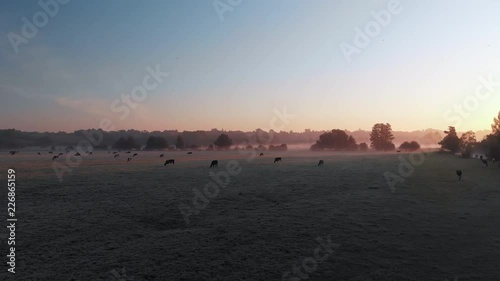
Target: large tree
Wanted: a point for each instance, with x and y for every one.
(381, 137)
(223, 142)
(495, 127)
(411, 146)
(337, 140)
(179, 142)
(155, 142)
(467, 143)
(451, 141)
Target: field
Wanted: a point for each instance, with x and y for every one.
(113, 220)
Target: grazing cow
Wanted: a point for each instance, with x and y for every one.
(39, 153)
(55, 157)
(169, 161)
(190, 152)
(116, 155)
(459, 174)
(129, 159)
(485, 162)
(214, 163)
(90, 153)
(135, 154)
(12, 152)
(77, 154)
(320, 163)
(399, 151)
(127, 152)
(161, 155)
(277, 159)
(261, 154)
(481, 157)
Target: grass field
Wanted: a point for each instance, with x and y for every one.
(109, 218)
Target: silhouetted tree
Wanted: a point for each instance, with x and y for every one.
(337, 140)
(410, 146)
(179, 142)
(363, 146)
(467, 143)
(223, 142)
(126, 143)
(381, 137)
(154, 142)
(282, 147)
(451, 141)
(495, 127)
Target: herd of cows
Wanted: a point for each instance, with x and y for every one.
(215, 163)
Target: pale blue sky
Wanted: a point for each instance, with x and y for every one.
(263, 55)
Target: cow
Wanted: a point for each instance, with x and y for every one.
(161, 155)
(214, 163)
(55, 157)
(277, 159)
(12, 152)
(320, 163)
(459, 174)
(485, 162)
(50, 152)
(60, 154)
(39, 153)
(135, 154)
(77, 154)
(116, 155)
(90, 153)
(129, 159)
(169, 161)
(190, 152)
(261, 154)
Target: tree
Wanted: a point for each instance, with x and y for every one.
(363, 146)
(223, 142)
(495, 127)
(411, 146)
(337, 140)
(467, 143)
(156, 143)
(451, 141)
(282, 147)
(381, 137)
(179, 142)
(126, 143)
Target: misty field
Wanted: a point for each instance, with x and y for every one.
(113, 220)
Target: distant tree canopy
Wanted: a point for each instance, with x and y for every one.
(155, 142)
(490, 145)
(381, 137)
(223, 142)
(179, 142)
(363, 146)
(451, 141)
(126, 143)
(336, 140)
(282, 147)
(467, 143)
(410, 146)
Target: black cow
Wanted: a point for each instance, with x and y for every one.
(135, 154)
(320, 163)
(12, 152)
(55, 157)
(169, 161)
(161, 155)
(261, 154)
(77, 154)
(39, 153)
(214, 163)
(90, 153)
(485, 162)
(459, 174)
(190, 152)
(129, 159)
(116, 155)
(277, 159)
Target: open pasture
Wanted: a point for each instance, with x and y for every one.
(111, 217)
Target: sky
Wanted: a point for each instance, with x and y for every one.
(233, 64)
